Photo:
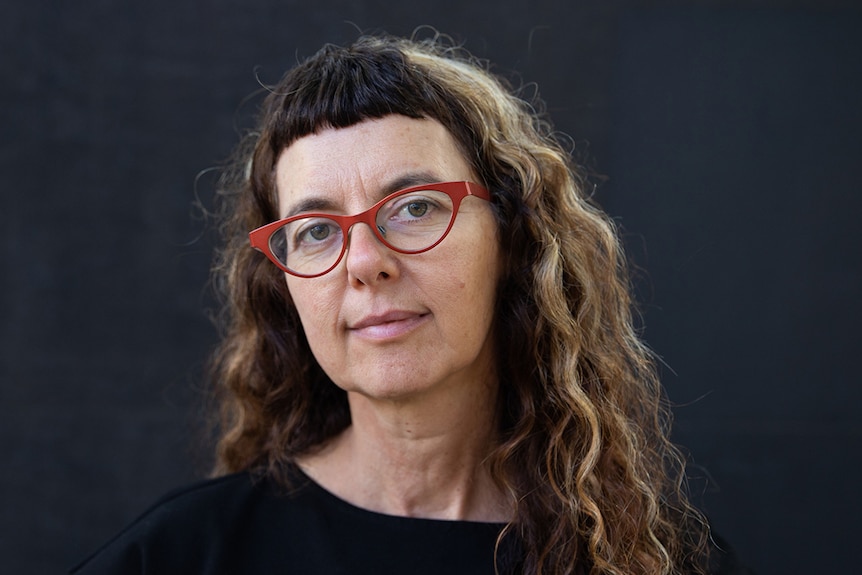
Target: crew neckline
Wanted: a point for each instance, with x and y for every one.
(303, 481)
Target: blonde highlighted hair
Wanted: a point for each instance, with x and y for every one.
(582, 449)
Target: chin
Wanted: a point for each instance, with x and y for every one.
(392, 388)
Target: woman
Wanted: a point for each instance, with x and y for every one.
(429, 363)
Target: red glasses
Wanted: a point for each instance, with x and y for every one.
(409, 221)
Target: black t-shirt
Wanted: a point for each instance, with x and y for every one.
(244, 525)
(241, 525)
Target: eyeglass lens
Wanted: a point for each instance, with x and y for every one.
(410, 222)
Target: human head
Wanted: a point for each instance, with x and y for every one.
(581, 419)
(557, 249)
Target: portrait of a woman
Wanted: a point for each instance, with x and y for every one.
(429, 361)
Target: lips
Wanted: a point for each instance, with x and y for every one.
(389, 324)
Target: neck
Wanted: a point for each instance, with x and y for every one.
(423, 457)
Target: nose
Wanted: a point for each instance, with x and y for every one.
(367, 260)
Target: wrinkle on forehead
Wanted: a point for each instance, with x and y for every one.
(326, 203)
(343, 170)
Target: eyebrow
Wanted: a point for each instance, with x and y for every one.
(326, 204)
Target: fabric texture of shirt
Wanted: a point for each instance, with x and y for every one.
(246, 525)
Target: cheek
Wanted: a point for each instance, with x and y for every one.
(485, 270)
(315, 306)
(486, 283)
(469, 287)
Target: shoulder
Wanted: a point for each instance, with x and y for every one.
(200, 497)
(212, 499)
(246, 524)
(200, 528)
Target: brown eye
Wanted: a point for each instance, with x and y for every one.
(417, 209)
(320, 232)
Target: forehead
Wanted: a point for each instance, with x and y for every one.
(367, 158)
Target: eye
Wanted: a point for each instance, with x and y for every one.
(319, 232)
(314, 231)
(413, 207)
(417, 209)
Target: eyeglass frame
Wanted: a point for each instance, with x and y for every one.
(259, 238)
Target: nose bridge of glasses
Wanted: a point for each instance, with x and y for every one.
(366, 218)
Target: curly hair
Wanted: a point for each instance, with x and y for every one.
(582, 449)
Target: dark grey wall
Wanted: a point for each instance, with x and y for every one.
(729, 134)
(735, 149)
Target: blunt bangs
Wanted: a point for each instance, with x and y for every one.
(340, 87)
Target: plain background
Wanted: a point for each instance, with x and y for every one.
(725, 141)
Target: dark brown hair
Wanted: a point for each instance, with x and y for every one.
(582, 449)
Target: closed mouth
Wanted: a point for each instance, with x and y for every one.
(389, 324)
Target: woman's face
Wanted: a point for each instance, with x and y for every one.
(383, 324)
